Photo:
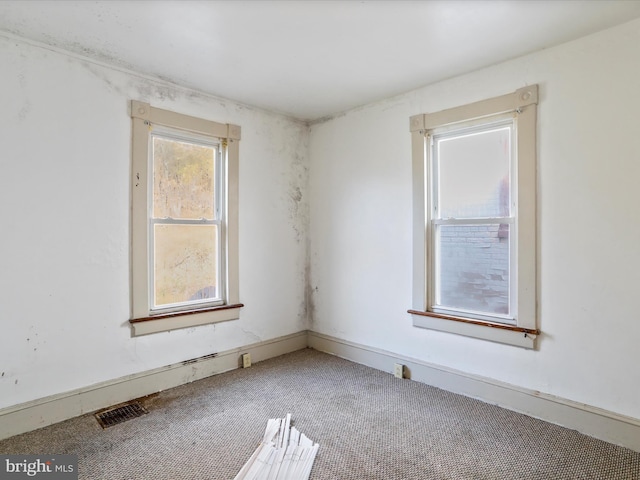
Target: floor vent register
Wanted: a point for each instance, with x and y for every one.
(117, 415)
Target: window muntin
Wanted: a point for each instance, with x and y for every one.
(186, 254)
(473, 265)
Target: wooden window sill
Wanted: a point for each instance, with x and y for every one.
(188, 318)
(483, 323)
(185, 312)
(497, 332)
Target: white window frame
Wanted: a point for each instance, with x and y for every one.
(145, 319)
(218, 219)
(521, 330)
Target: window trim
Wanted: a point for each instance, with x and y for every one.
(523, 104)
(143, 320)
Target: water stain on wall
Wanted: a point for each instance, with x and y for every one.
(309, 306)
(149, 89)
(26, 104)
(299, 219)
(298, 185)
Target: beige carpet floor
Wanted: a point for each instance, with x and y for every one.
(369, 425)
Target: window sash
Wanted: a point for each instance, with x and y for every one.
(218, 220)
(437, 305)
(158, 131)
(434, 219)
(468, 129)
(219, 273)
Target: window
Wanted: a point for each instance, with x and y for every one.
(474, 251)
(184, 220)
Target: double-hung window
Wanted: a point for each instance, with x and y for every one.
(474, 219)
(184, 220)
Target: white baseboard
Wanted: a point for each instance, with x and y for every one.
(595, 422)
(592, 421)
(56, 408)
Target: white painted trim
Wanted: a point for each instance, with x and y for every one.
(595, 422)
(144, 117)
(56, 408)
(520, 107)
(484, 332)
(164, 324)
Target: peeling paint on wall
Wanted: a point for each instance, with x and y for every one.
(148, 89)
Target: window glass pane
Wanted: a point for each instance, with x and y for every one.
(473, 270)
(185, 263)
(183, 179)
(473, 171)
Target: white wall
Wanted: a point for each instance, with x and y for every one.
(589, 234)
(64, 207)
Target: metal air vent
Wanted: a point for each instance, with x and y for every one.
(114, 416)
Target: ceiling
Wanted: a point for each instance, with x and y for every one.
(308, 59)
